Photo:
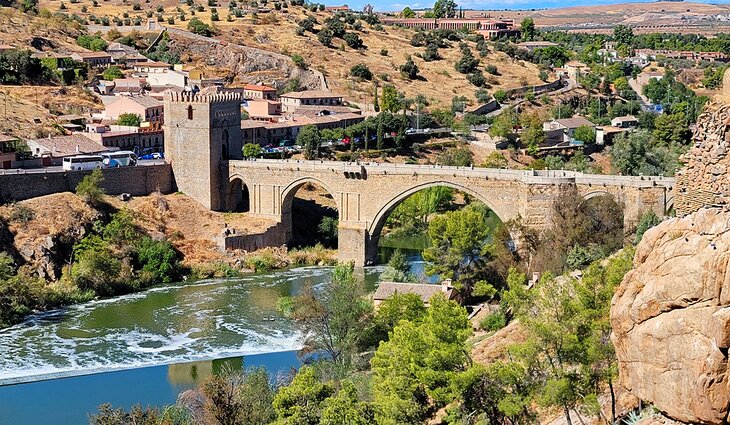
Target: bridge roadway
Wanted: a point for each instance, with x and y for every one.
(366, 193)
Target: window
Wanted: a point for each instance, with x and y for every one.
(190, 112)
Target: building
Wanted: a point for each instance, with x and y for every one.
(562, 130)
(127, 87)
(651, 54)
(575, 69)
(643, 78)
(59, 147)
(7, 151)
(265, 133)
(490, 29)
(293, 100)
(627, 121)
(147, 107)
(262, 109)
(93, 59)
(333, 9)
(255, 91)
(126, 138)
(605, 134)
(123, 54)
(425, 291)
(151, 67)
(534, 45)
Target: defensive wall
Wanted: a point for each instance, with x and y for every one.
(18, 185)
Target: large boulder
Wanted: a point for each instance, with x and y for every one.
(671, 318)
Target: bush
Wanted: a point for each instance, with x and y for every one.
(196, 26)
(383, 52)
(477, 78)
(460, 157)
(327, 229)
(353, 40)
(325, 37)
(409, 69)
(21, 214)
(90, 188)
(158, 259)
(648, 220)
(298, 60)
(252, 150)
(112, 72)
(500, 96)
(129, 119)
(361, 71)
(492, 69)
(493, 322)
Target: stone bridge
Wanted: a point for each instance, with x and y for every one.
(366, 194)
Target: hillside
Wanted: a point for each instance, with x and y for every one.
(675, 16)
(274, 32)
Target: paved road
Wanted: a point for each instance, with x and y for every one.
(59, 169)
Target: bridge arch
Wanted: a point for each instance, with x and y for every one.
(237, 196)
(287, 201)
(376, 226)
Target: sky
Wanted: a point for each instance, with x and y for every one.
(385, 5)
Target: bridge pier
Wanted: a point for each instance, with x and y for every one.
(353, 243)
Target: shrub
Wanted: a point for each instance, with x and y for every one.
(353, 40)
(196, 26)
(492, 69)
(477, 78)
(361, 71)
(500, 96)
(129, 119)
(460, 157)
(20, 214)
(409, 69)
(383, 52)
(298, 60)
(90, 188)
(325, 37)
(493, 322)
(112, 72)
(158, 259)
(648, 220)
(252, 150)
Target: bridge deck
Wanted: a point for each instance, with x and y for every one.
(526, 176)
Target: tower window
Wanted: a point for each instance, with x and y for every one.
(190, 112)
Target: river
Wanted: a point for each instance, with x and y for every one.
(158, 343)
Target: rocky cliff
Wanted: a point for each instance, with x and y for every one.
(671, 315)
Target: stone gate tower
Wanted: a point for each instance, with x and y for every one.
(202, 132)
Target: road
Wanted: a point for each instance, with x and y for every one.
(645, 102)
(59, 169)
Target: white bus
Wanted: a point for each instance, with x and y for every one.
(83, 162)
(119, 159)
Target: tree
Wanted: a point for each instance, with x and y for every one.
(112, 73)
(345, 408)
(532, 137)
(672, 128)
(251, 150)
(390, 100)
(458, 251)
(301, 402)
(196, 26)
(353, 40)
(325, 37)
(623, 34)
(310, 139)
(500, 96)
(361, 71)
(90, 188)
(396, 308)
(334, 318)
(455, 157)
(408, 13)
(586, 134)
(379, 133)
(420, 362)
(240, 398)
(444, 9)
(648, 220)
(398, 269)
(495, 160)
(129, 119)
(504, 125)
(468, 63)
(409, 69)
(527, 28)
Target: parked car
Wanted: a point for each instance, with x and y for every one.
(152, 155)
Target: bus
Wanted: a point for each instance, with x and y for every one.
(82, 162)
(119, 159)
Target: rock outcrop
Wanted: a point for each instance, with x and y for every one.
(671, 318)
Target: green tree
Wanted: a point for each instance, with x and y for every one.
(158, 259)
(504, 125)
(408, 13)
(398, 269)
(301, 402)
(586, 134)
(112, 72)
(418, 365)
(390, 100)
(345, 408)
(623, 34)
(444, 9)
(252, 150)
(409, 69)
(455, 157)
(459, 247)
(129, 119)
(361, 71)
(500, 96)
(240, 398)
(90, 188)
(527, 28)
(495, 160)
(334, 318)
(310, 139)
(648, 220)
(468, 63)
(672, 128)
(394, 309)
(196, 26)
(353, 40)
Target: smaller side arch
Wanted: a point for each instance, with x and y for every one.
(237, 196)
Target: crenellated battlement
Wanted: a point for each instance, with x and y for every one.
(202, 98)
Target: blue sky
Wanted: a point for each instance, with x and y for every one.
(384, 5)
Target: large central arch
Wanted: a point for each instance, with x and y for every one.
(376, 226)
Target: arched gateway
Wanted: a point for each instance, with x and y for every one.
(365, 194)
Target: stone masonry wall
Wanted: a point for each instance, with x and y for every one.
(703, 181)
(137, 181)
